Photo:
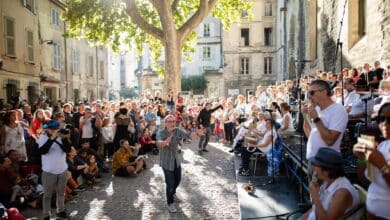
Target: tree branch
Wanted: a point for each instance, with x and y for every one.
(203, 10)
(175, 3)
(136, 17)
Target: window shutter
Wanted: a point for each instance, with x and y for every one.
(10, 37)
(30, 46)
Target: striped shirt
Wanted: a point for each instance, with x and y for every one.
(170, 154)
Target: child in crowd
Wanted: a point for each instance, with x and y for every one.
(108, 137)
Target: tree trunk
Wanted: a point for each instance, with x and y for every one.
(172, 77)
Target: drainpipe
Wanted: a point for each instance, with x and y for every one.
(97, 73)
(66, 66)
(285, 57)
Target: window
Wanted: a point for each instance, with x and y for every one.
(267, 36)
(244, 66)
(206, 30)
(244, 14)
(57, 56)
(75, 61)
(30, 46)
(29, 4)
(9, 37)
(357, 21)
(206, 53)
(101, 69)
(244, 37)
(267, 65)
(55, 17)
(268, 9)
(90, 65)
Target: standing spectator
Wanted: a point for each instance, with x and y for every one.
(108, 137)
(13, 135)
(88, 123)
(171, 102)
(376, 76)
(204, 121)
(124, 126)
(37, 123)
(329, 119)
(54, 147)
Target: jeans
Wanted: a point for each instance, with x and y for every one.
(204, 140)
(228, 127)
(172, 180)
(50, 182)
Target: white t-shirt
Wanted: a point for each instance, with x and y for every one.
(87, 131)
(269, 146)
(335, 118)
(326, 195)
(54, 161)
(351, 98)
(378, 194)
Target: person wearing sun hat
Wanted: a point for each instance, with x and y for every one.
(336, 196)
(53, 148)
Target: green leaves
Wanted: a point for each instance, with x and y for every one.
(108, 22)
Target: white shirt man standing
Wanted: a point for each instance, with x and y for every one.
(325, 121)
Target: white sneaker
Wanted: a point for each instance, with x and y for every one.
(172, 208)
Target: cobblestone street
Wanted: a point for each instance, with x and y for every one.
(208, 190)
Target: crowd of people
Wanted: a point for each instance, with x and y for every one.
(65, 147)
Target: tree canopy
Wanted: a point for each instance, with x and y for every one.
(161, 24)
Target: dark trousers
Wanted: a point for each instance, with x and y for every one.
(245, 157)
(228, 127)
(172, 180)
(204, 140)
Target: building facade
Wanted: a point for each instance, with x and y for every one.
(19, 50)
(249, 49)
(36, 57)
(310, 29)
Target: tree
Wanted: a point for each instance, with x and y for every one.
(195, 83)
(126, 92)
(167, 24)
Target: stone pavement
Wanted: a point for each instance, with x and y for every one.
(208, 190)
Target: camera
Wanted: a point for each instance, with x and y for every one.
(64, 131)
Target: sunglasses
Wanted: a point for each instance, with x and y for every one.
(312, 92)
(381, 119)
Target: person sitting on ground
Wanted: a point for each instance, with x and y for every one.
(92, 169)
(336, 196)
(124, 163)
(147, 143)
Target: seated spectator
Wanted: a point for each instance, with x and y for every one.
(124, 163)
(286, 120)
(7, 181)
(92, 169)
(147, 143)
(76, 166)
(100, 162)
(264, 145)
(336, 196)
(377, 158)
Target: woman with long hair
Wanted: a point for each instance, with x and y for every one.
(13, 135)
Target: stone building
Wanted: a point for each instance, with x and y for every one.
(249, 49)
(19, 50)
(309, 30)
(35, 55)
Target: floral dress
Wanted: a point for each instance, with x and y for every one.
(14, 140)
